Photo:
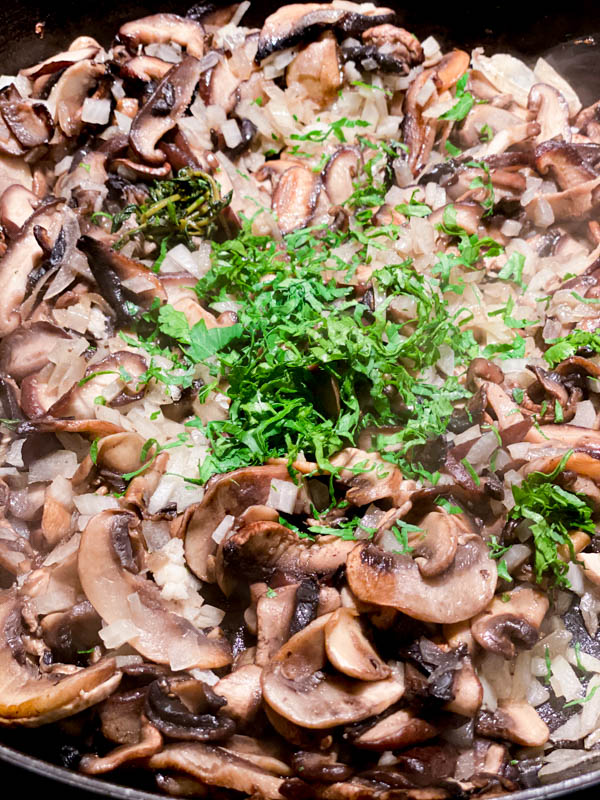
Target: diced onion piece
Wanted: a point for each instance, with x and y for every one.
(231, 133)
(204, 675)
(536, 693)
(564, 681)
(481, 452)
(156, 534)
(61, 462)
(516, 555)
(575, 577)
(585, 415)
(95, 111)
(282, 496)
(466, 436)
(223, 528)
(90, 504)
(118, 633)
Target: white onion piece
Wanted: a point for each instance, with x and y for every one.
(473, 432)
(90, 504)
(536, 694)
(589, 662)
(63, 550)
(575, 577)
(585, 415)
(481, 452)
(156, 534)
(519, 450)
(118, 633)
(564, 681)
(231, 133)
(516, 556)
(282, 495)
(61, 462)
(95, 111)
(223, 528)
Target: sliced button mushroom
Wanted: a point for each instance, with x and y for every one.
(274, 615)
(30, 698)
(320, 768)
(243, 693)
(517, 722)
(369, 477)
(394, 580)
(145, 68)
(504, 623)
(217, 766)
(400, 729)
(17, 204)
(120, 596)
(392, 49)
(164, 28)
(564, 163)
(340, 172)
(227, 495)
(467, 691)
(172, 95)
(21, 258)
(70, 92)
(295, 198)
(349, 650)
(434, 548)
(295, 686)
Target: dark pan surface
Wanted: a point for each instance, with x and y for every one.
(567, 34)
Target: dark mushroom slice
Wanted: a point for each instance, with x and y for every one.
(160, 113)
(260, 549)
(173, 719)
(218, 766)
(68, 633)
(164, 28)
(392, 49)
(295, 198)
(394, 580)
(227, 495)
(295, 686)
(110, 269)
(70, 92)
(157, 633)
(552, 112)
(508, 622)
(564, 164)
(400, 729)
(26, 349)
(29, 122)
(57, 63)
(320, 768)
(303, 22)
(274, 616)
(349, 650)
(30, 698)
(150, 742)
(340, 172)
(22, 256)
(518, 722)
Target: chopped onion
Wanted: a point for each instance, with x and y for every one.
(516, 556)
(481, 452)
(156, 534)
(95, 112)
(564, 681)
(585, 415)
(223, 528)
(118, 633)
(90, 504)
(126, 661)
(430, 46)
(205, 675)
(471, 433)
(63, 550)
(231, 133)
(61, 462)
(519, 451)
(536, 694)
(575, 576)
(282, 496)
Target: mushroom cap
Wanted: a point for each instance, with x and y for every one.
(296, 688)
(400, 729)
(395, 580)
(118, 594)
(349, 650)
(503, 623)
(29, 698)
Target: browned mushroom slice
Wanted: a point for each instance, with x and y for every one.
(304, 21)
(460, 592)
(69, 93)
(29, 122)
(316, 70)
(150, 742)
(83, 48)
(218, 766)
(228, 495)
(400, 729)
(574, 203)
(349, 650)
(564, 163)
(164, 28)
(218, 86)
(517, 620)
(296, 688)
(145, 68)
(295, 198)
(467, 691)
(434, 547)
(368, 476)
(243, 693)
(17, 204)
(67, 632)
(20, 259)
(166, 709)
(260, 549)
(79, 403)
(30, 698)
(392, 49)
(320, 768)
(159, 114)
(517, 722)
(340, 172)
(120, 596)
(26, 349)
(91, 427)
(552, 112)
(274, 612)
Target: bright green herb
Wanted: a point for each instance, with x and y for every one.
(414, 208)
(513, 270)
(94, 450)
(568, 345)
(577, 649)
(271, 593)
(548, 661)
(448, 506)
(514, 349)
(465, 103)
(586, 699)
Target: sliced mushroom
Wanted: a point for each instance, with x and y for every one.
(467, 691)
(17, 204)
(297, 22)
(316, 70)
(29, 122)
(274, 613)
(160, 113)
(296, 688)
(320, 768)
(295, 198)
(394, 580)
(172, 717)
(150, 742)
(217, 766)
(552, 112)
(164, 28)
(349, 650)
(517, 620)
(119, 595)
(392, 49)
(517, 722)
(400, 729)
(67, 632)
(145, 68)
(369, 477)
(26, 349)
(228, 495)
(70, 92)
(340, 172)
(30, 698)
(243, 693)
(434, 546)
(564, 163)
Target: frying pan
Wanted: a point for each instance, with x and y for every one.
(567, 35)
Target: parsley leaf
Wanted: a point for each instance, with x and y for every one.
(465, 103)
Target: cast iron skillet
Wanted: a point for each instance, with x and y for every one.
(568, 35)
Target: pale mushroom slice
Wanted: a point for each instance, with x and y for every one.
(70, 92)
(518, 722)
(295, 686)
(164, 28)
(30, 698)
(124, 598)
(434, 547)
(394, 580)
(515, 618)
(349, 650)
(229, 495)
(400, 729)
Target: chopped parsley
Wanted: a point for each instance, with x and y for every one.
(567, 346)
(414, 208)
(465, 102)
(548, 661)
(581, 700)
